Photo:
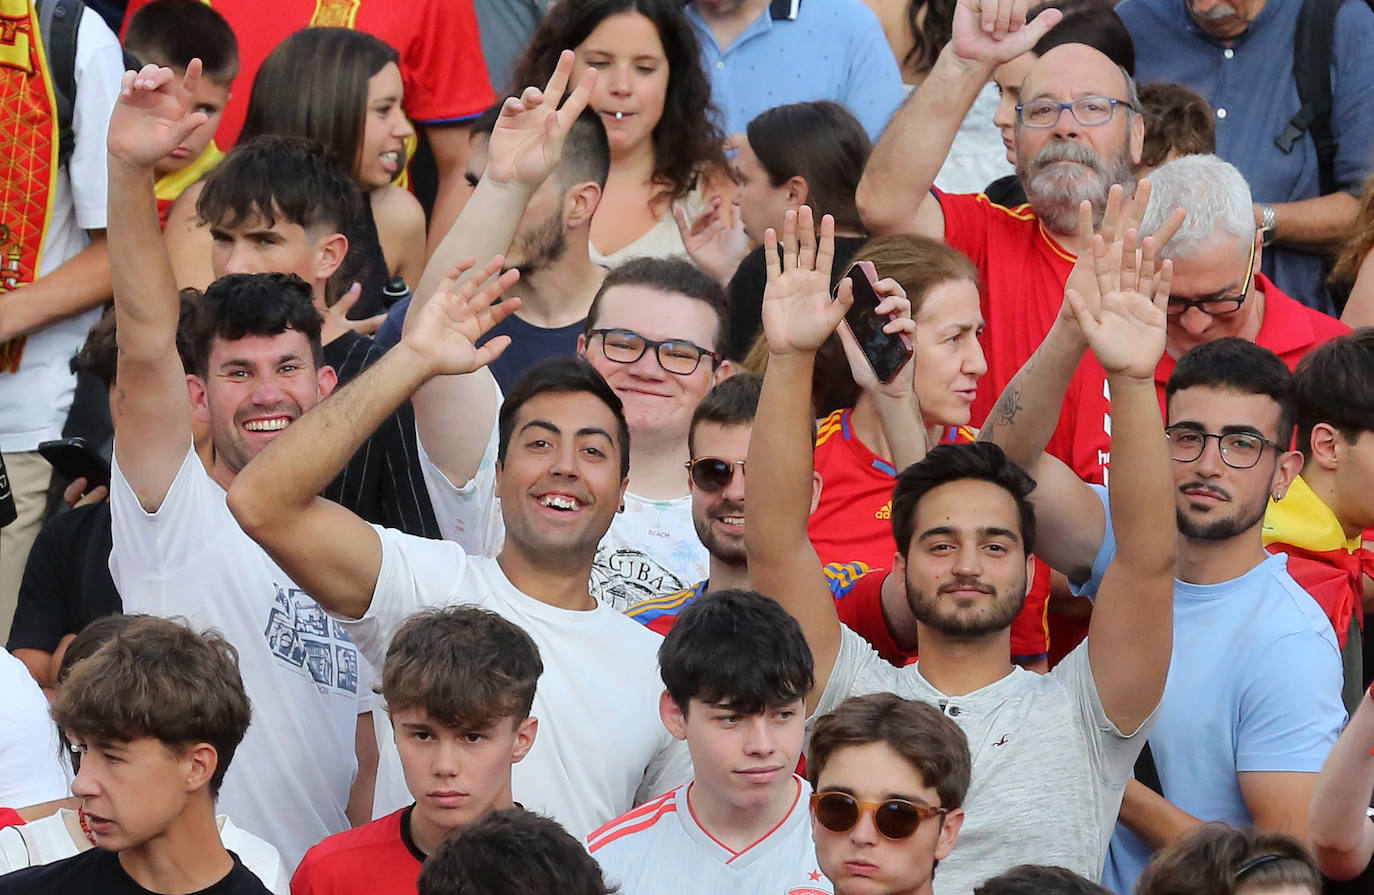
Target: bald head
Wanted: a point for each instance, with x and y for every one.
(1073, 70)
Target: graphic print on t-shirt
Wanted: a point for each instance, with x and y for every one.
(625, 576)
(302, 637)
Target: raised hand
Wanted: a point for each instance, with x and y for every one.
(897, 308)
(153, 114)
(991, 32)
(449, 325)
(715, 242)
(798, 312)
(527, 141)
(1126, 329)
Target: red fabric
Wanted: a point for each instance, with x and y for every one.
(1334, 578)
(442, 67)
(10, 818)
(372, 858)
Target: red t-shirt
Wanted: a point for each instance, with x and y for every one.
(853, 521)
(1289, 329)
(378, 858)
(442, 67)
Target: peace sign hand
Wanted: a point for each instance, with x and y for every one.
(527, 141)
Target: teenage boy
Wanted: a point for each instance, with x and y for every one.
(154, 717)
(890, 776)
(736, 670)
(171, 33)
(512, 852)
(458, 684)
(1054, 750)
(562, 462)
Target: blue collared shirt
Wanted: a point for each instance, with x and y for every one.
(801, 50)
(1251, 88)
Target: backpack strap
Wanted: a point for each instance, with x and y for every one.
(1313, 51)
(59, 20)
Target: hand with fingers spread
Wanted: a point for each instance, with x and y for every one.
(896, 308)
(990, 32)
(1126, 328)
(460, 312)
(715, 241)
(798, 312)
(153, 115)
(527, 140)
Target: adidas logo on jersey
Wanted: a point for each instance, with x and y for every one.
(884, 512)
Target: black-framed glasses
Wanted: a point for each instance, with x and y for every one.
(894, 819)
(677, 356)
(1089, 111)
(1226, 304)
(712, 474)
(1239, 450)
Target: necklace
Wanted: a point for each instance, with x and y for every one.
(85, 827)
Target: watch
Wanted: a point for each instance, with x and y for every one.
(1267, 220)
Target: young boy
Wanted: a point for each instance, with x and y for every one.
(512, 852)
(736, 670)
(153, 717)
(890, 776)
(171, 33)
(458, 684)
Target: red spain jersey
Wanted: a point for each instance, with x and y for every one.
(442, 67)
(378, 858)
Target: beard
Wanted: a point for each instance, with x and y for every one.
(1243, 519)
(729, 552)
(998, 612)
(1055, 191)
(541, 247)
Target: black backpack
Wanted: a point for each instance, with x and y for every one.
(58, 21)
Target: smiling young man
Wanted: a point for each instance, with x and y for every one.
(458, 684)
(154, 718)
(890, 778)
(736, 670)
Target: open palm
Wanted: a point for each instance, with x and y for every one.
(527, 140)
(798, 312)
(452, 322)
(1126, 330)
(153, 114)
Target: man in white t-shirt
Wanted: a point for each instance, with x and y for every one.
(177, 550)
(1052, 752)
(736, 670)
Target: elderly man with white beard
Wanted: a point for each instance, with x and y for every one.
(1078, 133)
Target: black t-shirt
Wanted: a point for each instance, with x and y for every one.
(746, 287)
(1006, 191)
(67, 581)
(383, 482)
(529, 344)
(98, 872)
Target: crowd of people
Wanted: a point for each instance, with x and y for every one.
(829, 447)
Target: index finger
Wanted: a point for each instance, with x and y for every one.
(558, 81)
(581, 95)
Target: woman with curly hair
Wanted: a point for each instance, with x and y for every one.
(654, 98)
(1354, 269)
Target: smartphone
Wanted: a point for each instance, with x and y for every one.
(886, 353)
(74, 460)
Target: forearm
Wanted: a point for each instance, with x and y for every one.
(1153, 818)
(903, 428)
(80, 283)
(778, 487)
(1320, 224)
(1141, 492)
(1341, 833)
(145, 291)
(361, 795)
(450, 144)
(911, 150)
(1027, 412)
(485, 228)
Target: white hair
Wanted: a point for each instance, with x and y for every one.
(1212, 192)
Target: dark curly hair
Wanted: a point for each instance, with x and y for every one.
(686, 139)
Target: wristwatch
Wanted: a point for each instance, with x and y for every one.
(1267, 220)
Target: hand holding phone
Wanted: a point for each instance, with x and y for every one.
(73, 459)
(886, 353)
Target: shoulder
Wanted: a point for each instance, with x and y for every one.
(336, 852)
(395, 207)
(634, 824)
(1291, 609)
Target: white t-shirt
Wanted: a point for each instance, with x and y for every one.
(1049, 767)
(661, 849)
(30, 767)
(291, 776)
(650, 549)
(50, 839)
(601, 748)
(34, 401)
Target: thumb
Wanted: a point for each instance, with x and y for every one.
(348, 300)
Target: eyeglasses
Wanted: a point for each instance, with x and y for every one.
(895, 819)
(674, 355)
(1088, 111)
(1227, 304)
(712, 474)
(1239, 450)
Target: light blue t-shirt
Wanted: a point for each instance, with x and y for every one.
(802, 50)
(1254, 685)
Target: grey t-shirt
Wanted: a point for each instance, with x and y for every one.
(1049, 767)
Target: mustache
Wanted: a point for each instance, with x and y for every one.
(1215, 14)
(727, 508)
(1201, 486)
(1068, 151)
(966, 584)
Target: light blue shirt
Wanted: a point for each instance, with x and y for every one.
(1254, 685)
(802, 50)
(1251, 88)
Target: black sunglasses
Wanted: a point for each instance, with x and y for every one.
(895, 819)
(712, 474)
